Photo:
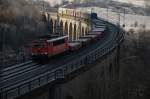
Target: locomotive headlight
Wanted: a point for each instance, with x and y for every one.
(33, 54)
(45, 53)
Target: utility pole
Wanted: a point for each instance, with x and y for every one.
(22, 48)
(43, 5)
(58, 23)
(3, 47)
(118, 54)
(91, 18)
(75, 32)
(107, 12)
(124, 12)
(118, 47)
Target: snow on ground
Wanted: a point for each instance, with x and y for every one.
(129, 19)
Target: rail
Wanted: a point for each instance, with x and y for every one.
(64, 70)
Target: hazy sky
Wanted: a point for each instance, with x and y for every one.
(136, 2)
(54, 2)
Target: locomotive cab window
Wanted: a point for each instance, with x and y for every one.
(58, 42)
(38, 44)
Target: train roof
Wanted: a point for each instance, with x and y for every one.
(83, 39)
(73, 44)
(94, 33)
(100, 26)
(49, 38)
(57, 38)
(45, 37)
(90, 35)
(98, 29)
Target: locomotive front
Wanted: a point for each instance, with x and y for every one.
(39, 49)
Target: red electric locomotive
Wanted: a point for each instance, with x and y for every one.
(48, 46)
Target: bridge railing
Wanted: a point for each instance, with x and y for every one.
(61, 72)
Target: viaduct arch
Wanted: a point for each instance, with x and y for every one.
(74, 28)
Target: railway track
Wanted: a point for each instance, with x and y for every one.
(16, 66)
(17, 72)
(7, 80)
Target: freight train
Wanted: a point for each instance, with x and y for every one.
(52, 45)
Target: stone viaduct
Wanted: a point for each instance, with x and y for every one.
(94, 74)
(72, 26)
